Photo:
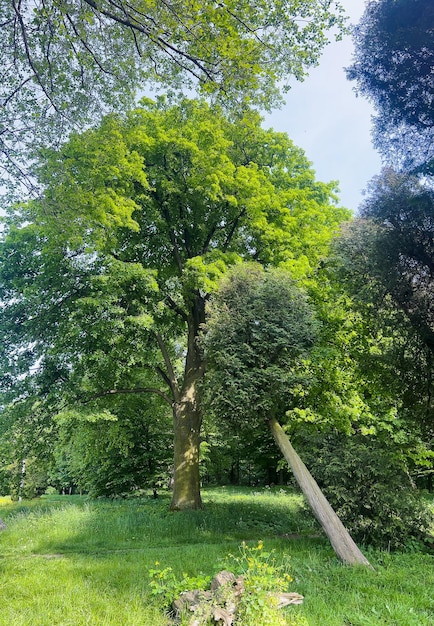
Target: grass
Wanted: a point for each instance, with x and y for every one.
(72, 561)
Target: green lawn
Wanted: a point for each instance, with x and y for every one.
(72, 561)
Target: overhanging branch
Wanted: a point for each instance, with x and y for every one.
(173, 382)
(175, 53)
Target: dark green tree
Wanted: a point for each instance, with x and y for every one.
(392, 66)
(384, 265)
(258, 336)
(397, 223)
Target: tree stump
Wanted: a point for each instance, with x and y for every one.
(220, 603)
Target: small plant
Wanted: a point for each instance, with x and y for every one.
(165, 586)
(263, 580)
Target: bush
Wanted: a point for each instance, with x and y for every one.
(368, 487)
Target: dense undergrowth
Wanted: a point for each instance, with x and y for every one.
(73, 561)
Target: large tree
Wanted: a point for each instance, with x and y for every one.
(392, 66)
(64, 63)
(384, 261)
(105, 278)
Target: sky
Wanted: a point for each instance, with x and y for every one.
(324, 116)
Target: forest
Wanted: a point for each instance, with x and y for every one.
(192, 324)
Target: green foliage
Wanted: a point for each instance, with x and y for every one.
(131, 451)
(165, 585)
(63, 64)
(257, 338)
(368, 484)
(214, 193)
(383, 266)
(402, 247)
(262, 577)
(30, 485)
(106, 275)
(335, 393)
(26, 434)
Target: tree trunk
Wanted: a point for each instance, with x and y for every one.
(187, 422)
(22, 480)
(338, 535)
(187, 415)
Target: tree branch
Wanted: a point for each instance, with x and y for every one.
(86, 46)
(250, 30)
(15, 91)
(233, 229)
(208, 238)
(177, 309)
(173, 382)
(165, 214)
(174, 52)
(133, 32)
(111, 392)
(29, 56)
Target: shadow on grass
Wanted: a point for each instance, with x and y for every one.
(99, 552)
(91, 526)
(88, 561)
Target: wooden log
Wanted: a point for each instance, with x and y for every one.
(339, 537)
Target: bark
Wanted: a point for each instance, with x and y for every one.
(338, 535)
(187, 422)
(187, 418)
(22, 480)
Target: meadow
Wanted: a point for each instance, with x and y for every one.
(72, 561)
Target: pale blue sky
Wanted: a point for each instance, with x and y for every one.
(323, 116)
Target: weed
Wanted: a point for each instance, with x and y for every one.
(166, 586)
(263, 578)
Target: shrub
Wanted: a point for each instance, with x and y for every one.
(367, 485)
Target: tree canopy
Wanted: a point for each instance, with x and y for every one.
(105, 277)
(384, 262)
(392, 66)
(258, 336)
(63, 64)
